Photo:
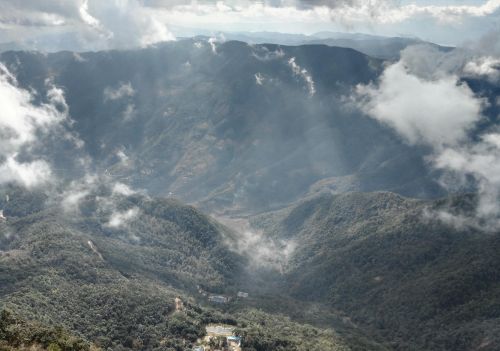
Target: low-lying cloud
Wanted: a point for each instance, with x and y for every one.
(435, 112)
(427, 103)
(262, 251)
(22, 123)
(484, 67)
(119, 92)
(119, 219)
(303, 74)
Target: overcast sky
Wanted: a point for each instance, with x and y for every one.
(92, 24)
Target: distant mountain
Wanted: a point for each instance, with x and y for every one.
(336, 238)
(413, 281)
(372, 45)
(227, 125)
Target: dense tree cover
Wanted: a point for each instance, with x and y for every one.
(386, 262)
(377, 267)
(17, 334)
(116, 286)
(263, 332)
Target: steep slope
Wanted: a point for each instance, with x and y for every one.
(17, 335)
(384, 260)
(113, 284)
(199, 119)
(113, 279)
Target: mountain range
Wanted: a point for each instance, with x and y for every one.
(205, 167)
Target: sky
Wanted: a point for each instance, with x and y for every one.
(101, 24)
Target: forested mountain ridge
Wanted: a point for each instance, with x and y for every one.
(266, 132)
(394, 267)
(112, 279)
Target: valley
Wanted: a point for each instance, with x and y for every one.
(213, 194)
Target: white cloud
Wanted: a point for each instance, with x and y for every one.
(259, 78)
(262, 53)
(29, 174)
(122, 156)
(21, 122)
(122, 189)
(440, 112)
(107, 202)
(87, 17)
(129, 113)
(123, 90)
(99, 24)
(76, 191)
(262, 251)
(72, 198)
(132, 23)
(304, 74)
(128, 23)
(214, 40)
(481, 160)
(434, 112)
(484, 67)
(119, 219)
(347, 13)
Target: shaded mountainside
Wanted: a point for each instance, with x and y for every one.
(115, 286)
(199, 119)
(381, 258)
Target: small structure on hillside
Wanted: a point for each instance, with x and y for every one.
(242, 294)
(2, 217)
(234, 341)
(179, 305)
(219, 330)
(218, 299)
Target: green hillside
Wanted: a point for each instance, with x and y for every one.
(115, 287)
(380, 258)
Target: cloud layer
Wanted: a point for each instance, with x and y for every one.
(434, 112)
(426, 103)
(96, 24)
(21, 125)
(93, 24)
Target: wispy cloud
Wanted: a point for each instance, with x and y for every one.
(304, 74)
(119, 219)
(262, 251)
(119, 92)
(259, 78)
